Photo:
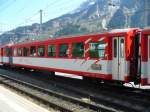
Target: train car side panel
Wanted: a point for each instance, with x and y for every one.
(67, 65)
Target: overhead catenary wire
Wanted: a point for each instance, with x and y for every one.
(8, 4)
(19, 11)
(45, 10)
(27, 20)
(49, 5)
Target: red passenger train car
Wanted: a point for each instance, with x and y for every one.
(109, 56)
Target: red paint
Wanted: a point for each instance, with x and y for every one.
(144, 51)
(127, 78)
(144, 48)
(144, 81)
(144, 44)
(129, 44)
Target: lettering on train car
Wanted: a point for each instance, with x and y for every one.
(96, 66)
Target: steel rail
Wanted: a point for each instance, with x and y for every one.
(7, 81)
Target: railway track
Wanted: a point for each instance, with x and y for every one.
(133, 98)
(119, 102)
(124, 100)
(54, 99)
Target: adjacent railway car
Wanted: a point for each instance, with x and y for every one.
(145, 57)
(107, 56)
(5, 54)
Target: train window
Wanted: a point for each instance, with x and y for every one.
(32, 51)
(101, 49)
(115, 48)
(122, 48)
(41, 50)
(15, 51)
(97, 49)
(8, 51)
(19, 52)
(78, 49)
(51, 50)
(63, 50)
(94, 50)
(25, 51)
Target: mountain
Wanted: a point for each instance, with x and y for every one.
(92, 16)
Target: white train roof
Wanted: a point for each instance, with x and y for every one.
(122, 30)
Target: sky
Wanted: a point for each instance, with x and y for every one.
(14, 13)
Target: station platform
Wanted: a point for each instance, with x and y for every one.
(12, 102)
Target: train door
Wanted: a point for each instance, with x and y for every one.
(118, 62)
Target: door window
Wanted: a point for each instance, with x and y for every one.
(115, 48)
(122, 48)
